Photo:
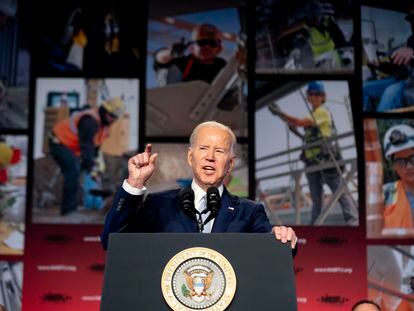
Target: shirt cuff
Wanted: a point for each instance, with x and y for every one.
(132, 190)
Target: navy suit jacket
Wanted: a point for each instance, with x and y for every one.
(161, 212)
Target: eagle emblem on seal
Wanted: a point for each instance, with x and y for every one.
(198, 282)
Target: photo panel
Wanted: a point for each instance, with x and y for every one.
(88, 38)
(309, 37)
(389, 171)
(306, 160)
(85, 131)
(391, 276)
(13, 179)
(14, 67)
(11, 281)
(196, 67)
(387, 56)
(173, 171)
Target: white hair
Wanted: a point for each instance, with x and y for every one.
(216, 125)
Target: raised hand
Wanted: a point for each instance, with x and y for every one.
(141, 167)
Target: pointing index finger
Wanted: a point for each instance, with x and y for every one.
(148, 148)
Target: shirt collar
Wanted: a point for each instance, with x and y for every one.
(200, 193)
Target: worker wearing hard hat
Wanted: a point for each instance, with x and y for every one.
(319, 127)
(398, 148)
(324, 34)
(74, 144)
(202, 63)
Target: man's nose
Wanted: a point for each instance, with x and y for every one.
(210, 155)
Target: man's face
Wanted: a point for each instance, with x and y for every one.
(366, 307)
(315, 98)
(406, 173)
(210, 157)
(207, 49)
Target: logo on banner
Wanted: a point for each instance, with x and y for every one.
(198, 278)
(332, 240)
(333, 300)
(55, 297)
(58, 238)
(97, 267)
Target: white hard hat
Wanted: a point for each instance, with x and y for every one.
(398, 138)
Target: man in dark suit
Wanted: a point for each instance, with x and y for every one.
(211, 157)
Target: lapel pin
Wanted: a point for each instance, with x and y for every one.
(231, 208)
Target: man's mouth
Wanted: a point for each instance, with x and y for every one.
(208, 168)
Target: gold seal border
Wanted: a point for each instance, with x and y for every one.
(198, 252)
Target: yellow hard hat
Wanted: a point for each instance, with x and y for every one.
(6, 155)
(114, 106)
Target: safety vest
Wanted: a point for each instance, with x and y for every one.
(66, 131)
(313, 134)
(320, 42)
(397, 212)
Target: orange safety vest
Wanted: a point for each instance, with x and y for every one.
(397, 213)
(66, 131)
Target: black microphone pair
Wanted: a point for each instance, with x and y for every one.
(187, 204)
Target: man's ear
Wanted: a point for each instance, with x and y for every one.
(231, 164)
(189, 156)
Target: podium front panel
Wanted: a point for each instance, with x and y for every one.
(135, 263)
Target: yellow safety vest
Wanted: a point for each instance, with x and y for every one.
(320, 42)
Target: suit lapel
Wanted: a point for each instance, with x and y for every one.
(226, 213)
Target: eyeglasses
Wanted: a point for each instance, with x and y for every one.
(210, 42)
(314, 93)
(403, 162)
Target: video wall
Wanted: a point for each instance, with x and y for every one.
(320, 95)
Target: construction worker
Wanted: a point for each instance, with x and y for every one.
(325, 36)
(398, 147)
(319, 127)
(8, 156)
(172, 65)
(388, 93)
(74, 145)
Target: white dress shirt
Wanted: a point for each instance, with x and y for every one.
(200, 203)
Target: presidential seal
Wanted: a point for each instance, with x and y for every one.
(198, 278)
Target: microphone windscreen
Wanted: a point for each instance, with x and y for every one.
(213, 199)
(186, 196)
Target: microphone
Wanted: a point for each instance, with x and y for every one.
(186, 196)
(213, 203)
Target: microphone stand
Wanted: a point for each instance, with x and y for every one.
(200, 223)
